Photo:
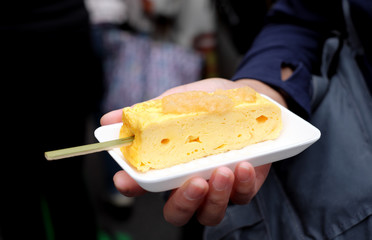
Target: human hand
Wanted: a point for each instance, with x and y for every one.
(209, 199)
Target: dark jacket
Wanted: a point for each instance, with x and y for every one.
(294, 36)
(326, 191)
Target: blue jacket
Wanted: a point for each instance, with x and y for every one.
(294, 36)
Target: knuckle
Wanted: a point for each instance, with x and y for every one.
(217, 202)
(183, 209)
(178, 215)
(243, 193)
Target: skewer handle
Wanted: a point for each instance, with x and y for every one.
(87, 149)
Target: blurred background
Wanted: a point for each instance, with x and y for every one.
(67, 62)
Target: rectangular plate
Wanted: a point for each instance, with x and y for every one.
(296, 136)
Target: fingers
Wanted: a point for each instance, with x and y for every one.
(208, 199)
(184, 201)
(127, 185)
(261, 174)
(112, 117)
(220, 186)
(244, 186)
(248, 180)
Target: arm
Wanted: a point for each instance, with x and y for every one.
(293, 38)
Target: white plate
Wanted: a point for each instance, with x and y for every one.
(296, 136)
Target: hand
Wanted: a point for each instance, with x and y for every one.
(208, 199)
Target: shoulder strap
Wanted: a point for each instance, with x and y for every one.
(352, 38)
(331, 54)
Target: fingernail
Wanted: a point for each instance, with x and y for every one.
(194, 191)
(220, 181)
(244, 173)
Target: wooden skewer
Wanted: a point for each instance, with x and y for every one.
(87, 149)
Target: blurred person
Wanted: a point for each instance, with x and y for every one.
(325, 193)
(51, 83)
(146, 47)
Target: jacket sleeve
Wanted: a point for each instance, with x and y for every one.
(293, 37)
